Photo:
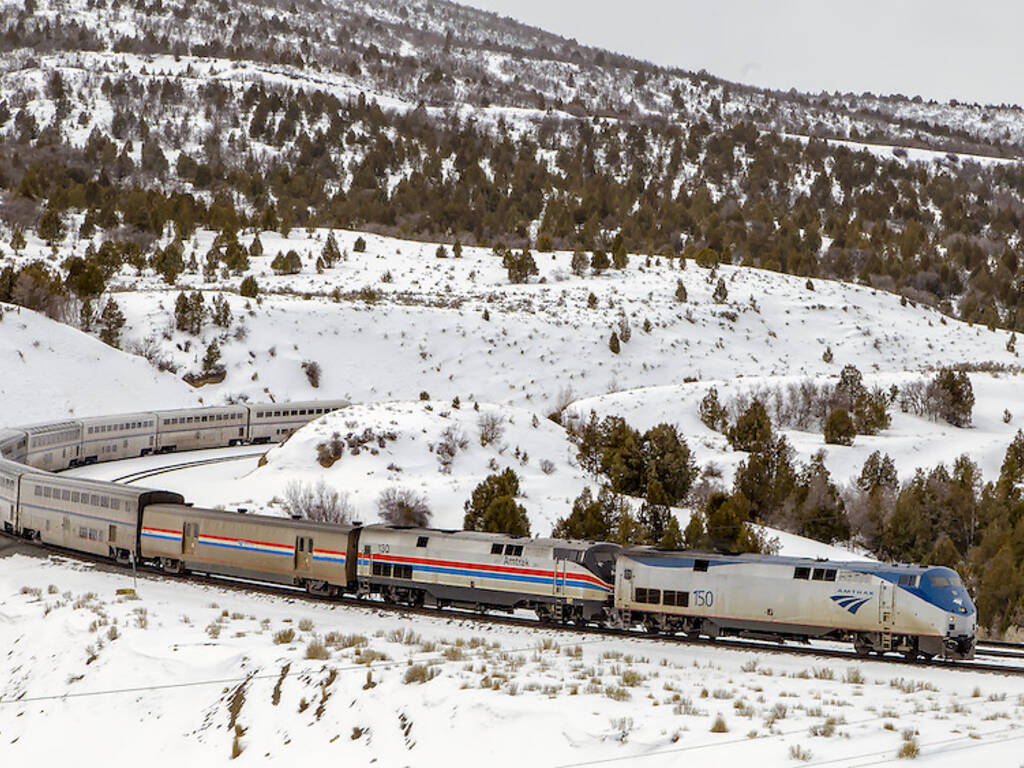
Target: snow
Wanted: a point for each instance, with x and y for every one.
(51, 371)
(502, 695)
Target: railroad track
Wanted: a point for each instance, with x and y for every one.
(998, 649)
(143, 474)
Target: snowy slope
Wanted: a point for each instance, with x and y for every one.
(911, 441)
(50, 371)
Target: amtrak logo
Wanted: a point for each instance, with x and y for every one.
(852, 603)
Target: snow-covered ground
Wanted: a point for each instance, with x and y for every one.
(194, 674)
(49, 371)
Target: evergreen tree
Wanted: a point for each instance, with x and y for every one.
(821, 513)
(712, 414)
(579, 263)
(360, 245)
(287, 263)
(51, 228)
(680, 292)
(599, 261)
(721, 293)
(492, 506)
(111, 323)
(839, 428)
(520, 266)
(592, 518)
(613, 343)
(331, 254)
(17, 240)
(752, 429)
(249, 288)
(212, 357)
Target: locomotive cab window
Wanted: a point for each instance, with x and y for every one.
(514, 550)
(650, 596)
(800, 572)
(830, 574)
(700, 565)
(678, 599)
(421, 541)
(497, 549)
(819, 574)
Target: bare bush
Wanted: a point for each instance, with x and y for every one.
(401, 506)
(492, 427)
(330, 451)
(319, 503)
(452, 441)
(313, 371)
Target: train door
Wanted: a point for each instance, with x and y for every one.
(886, 604)
(189, 538)
(561, 568)
(65, 530)
(303, 553)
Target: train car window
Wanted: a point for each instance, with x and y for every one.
(819, 574)
(95, 500)
(514, 550)
(627, 574)
(105, 502)
(403, 572)
(39, 491)
(300, 544)
(830, 574)
(678, 599)
(700, 565)
(382, 569)
(421, 541)
(366, 549)
(939, 581)
(801, 572)
(75, 497)
(496, 549)
(47, 492)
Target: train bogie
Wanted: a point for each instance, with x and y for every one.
(110, 438)
(274, 422)
(279, 550)
(190, 429)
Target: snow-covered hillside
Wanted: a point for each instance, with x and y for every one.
(912, 441)
(49, 370)
(395, 320)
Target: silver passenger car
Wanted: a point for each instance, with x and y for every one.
(273, 422)
(85, 515)
(13, 445)
(10, 477)
(53, 446)
(122, 436)
(190, 429)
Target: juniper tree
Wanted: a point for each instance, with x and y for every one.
(111, 323)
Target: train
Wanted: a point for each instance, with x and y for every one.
(879, 608)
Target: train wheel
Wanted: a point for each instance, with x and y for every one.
(861, 647)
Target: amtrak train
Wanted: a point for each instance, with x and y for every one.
(879, 608)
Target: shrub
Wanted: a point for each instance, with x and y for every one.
(721, 292)
(401, 506)
(680, 291)
(520, 266)
(491, 428)
(719, 725)
(908, 749)
(315, 649)
(249, 288)
(312, 369)
(330, 451)
(419, 673)
(613, 343)
(284, 637)
(319, 503)
(360, 245)
(839, 428)
(452, 441)
(752, 429)
(287, 264)
(712, 414)
(951, 397)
